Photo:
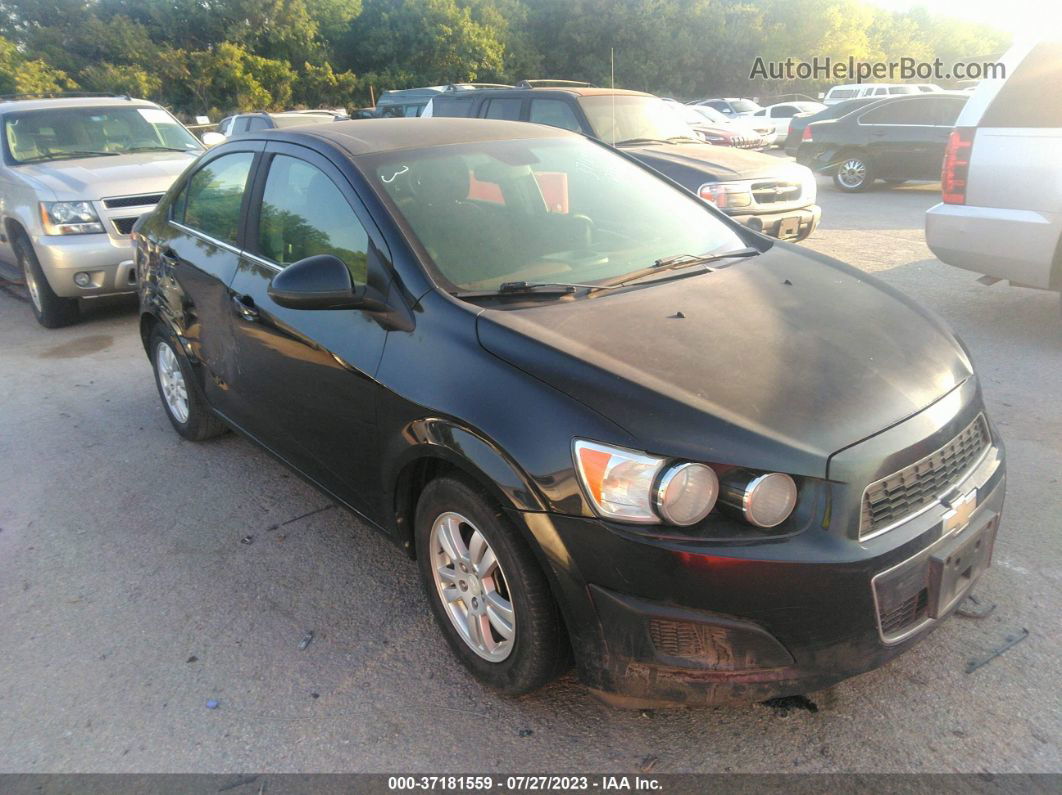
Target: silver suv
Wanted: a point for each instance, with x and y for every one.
(77, 173)
(1001, 208)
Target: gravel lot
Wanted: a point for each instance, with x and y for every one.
(128, 598)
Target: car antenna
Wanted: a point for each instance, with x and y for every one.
(612, 57)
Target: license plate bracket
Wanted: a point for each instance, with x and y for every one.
(957, 564)
(789, 226)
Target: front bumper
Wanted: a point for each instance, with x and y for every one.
(658, 621)
(107, 260)
(787, 225)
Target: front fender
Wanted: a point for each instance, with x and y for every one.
(467, 450)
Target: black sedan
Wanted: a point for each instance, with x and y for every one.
(797, 125)
(895, 139)
(610, 423)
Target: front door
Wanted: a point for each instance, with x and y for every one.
(305, 383)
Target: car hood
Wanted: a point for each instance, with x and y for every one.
(774, 362)
(99, 177)
(678, 160)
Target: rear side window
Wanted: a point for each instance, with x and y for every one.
(783, 112)
(211, 200)
(304, 213)
(920, 112)
(508, 109)
(258, 123)
(1032, 95)
(555, 113)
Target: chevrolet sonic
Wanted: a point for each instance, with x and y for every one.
(611, 424)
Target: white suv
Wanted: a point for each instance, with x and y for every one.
(76, 174)
(1001, 213)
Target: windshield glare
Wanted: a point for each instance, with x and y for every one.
(58, 133)
(624, 118)
(744, 106)
(710, 113)
(561, 210)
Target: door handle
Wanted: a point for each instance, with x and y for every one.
(877, 134)
(245, 308)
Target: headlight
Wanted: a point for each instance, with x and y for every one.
(763, 499)
(686, 493)
(725, 195)
(809, 187)
(618, 481)
(70, 218)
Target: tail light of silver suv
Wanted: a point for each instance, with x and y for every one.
(956, 169)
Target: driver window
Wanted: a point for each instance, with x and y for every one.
(304, 213)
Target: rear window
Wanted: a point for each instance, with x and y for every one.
(1032, 95)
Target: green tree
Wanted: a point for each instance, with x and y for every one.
(21, 75)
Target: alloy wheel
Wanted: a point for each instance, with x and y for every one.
(171, 379)
(472, 586)
(852, 173)
(31, 286)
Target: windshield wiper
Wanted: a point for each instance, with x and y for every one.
(156, 148)
(527, 288)
(68, 155)
(680, 261)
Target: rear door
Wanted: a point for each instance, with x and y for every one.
(305, 386)
(903, 138)
(507, 108)
(200, 252)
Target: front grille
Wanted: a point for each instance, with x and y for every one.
(773, 191)
(143, 200)
(909, 613)
(124, 225)
(893, 498)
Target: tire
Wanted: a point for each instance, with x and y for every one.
(182, 401)
(50, 310)
(854, 173)
(537, 649)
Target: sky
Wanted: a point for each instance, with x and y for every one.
(1020, 17)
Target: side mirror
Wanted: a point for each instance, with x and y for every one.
(321, 282)
(212, 138)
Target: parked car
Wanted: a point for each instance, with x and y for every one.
(781, 115)
(895, 140)
(731, 107)
(763, 192)
(720, 132)
(77, 172)
(601, 414)
(1001, 213)
(262, 120)
(857, 90)
(797, 125)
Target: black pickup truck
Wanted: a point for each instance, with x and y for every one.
(773, 196)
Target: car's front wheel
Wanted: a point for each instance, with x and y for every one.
(50, 310)
(184, 404)
(854, 173)
(486, 589)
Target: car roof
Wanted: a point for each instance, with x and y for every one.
(10, 105)
(579, 91)
(372, 136)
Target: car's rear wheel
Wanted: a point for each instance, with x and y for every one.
(50, 310)
(487, 591)
(854, 173)
(184, 404)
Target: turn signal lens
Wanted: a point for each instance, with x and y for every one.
(618, 481)
(764, 500)
(726, 194)
(686, 493)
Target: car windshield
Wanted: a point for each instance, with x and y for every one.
(744, 106)
(65, 133)
(618, 118)
(552, 210)
(710, 113)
